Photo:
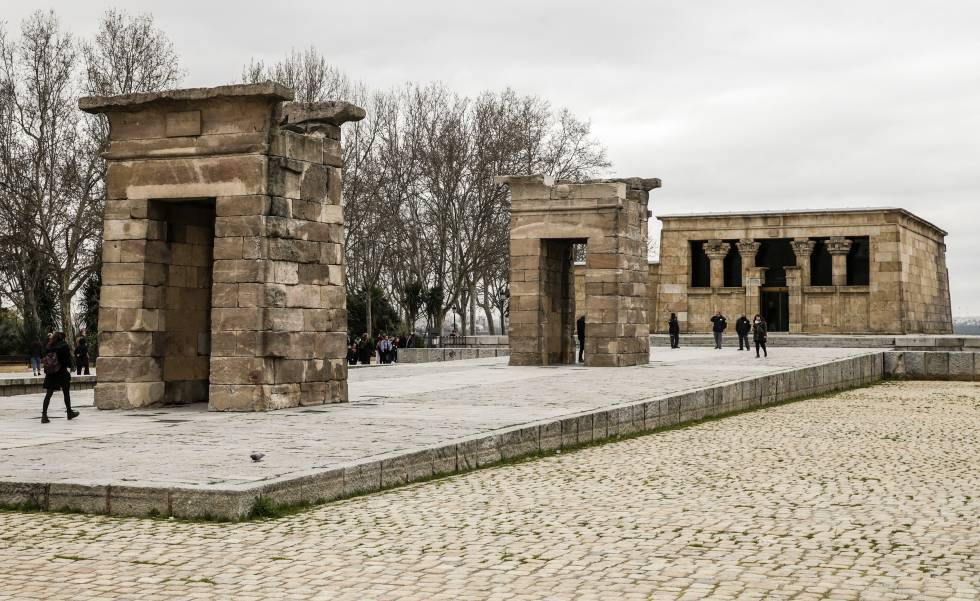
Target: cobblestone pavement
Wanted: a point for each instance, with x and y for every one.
(871, 494)
(393, 409)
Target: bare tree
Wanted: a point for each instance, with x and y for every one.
(129, 54)
(51, 171)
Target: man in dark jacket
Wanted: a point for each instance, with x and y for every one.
(57, 374)
(742, 327)
(81, 355)
(674, 329)
(580, 330)
(718, 326)
(37, 349)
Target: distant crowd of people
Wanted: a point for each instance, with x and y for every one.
(55, 360)
(757, 328)
(363, 348)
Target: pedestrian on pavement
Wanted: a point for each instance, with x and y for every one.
(37, 349)
(674, 329)
(742, 328)
(760, 333)
(365, 349)
(57, 374)
(580, 330)
(718, 326)
(81, 354)
(352, 354)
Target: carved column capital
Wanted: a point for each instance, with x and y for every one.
(748, 248)
(716, 249)
(803, 248)
(838, 246)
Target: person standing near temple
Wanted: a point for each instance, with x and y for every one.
(674, 329)
(760, 333)
(57, 374)
(37, 349)
(580, 330)
(718, 326)
(742, 328)
(81, 354)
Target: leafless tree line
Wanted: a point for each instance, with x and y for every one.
(425, 221)
(51, 170)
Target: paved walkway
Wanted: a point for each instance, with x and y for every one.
(393, 409)
(870, 495)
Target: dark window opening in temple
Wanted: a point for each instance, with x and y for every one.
(821, 265)
(733, 266)
(700, 265)
(775, 255)
(859, 262)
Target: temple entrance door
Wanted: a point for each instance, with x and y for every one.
(775, 308)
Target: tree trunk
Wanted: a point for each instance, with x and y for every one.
(488, 311)
(472, 308)
(368, 315)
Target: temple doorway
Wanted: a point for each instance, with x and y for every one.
(775, 308)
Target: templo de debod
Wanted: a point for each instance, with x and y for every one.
(839, 271)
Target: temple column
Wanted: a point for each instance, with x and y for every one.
(838, 248)
(796, 279)
(751, 275)
(717, 250)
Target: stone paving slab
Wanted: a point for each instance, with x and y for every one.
(868, 495)
(398, 421)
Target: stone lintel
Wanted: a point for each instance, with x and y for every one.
(139, 100)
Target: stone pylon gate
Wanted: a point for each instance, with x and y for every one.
(547, 221)
(223, 261)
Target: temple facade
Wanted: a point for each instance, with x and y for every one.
(852, 271)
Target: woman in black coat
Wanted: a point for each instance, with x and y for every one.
(57, 374)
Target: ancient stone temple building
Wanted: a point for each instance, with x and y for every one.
(223, 263)
(548, 220)
(834, 271)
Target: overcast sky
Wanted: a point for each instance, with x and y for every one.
(743, 105)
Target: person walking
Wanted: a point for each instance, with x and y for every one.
(760, 333)
(718, 326)
(37, 349)
(580, 330)
(674, 329)
(742, 328)
(81, 355)
(57, 374)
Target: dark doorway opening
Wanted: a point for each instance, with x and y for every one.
(187, 277)
(558, 300)
(775, 309)
(776, 255)
(821, 264)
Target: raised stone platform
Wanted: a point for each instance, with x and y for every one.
(912, 342)
(404, 423)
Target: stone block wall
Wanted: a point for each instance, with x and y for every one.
(925, 280)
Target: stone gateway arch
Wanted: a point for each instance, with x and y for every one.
(223, 254)
(547, 220)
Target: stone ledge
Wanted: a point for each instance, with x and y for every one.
(32, 385)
